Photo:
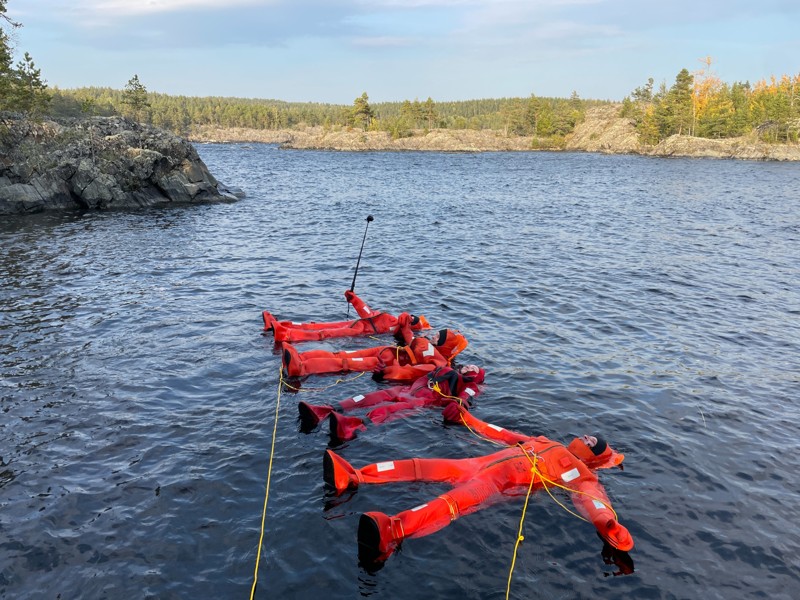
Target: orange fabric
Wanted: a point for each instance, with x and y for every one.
(482, 480)
(287, 331)
(607, 459)
(371, 322)
(404, 363)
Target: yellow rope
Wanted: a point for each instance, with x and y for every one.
(320, 389)
(281, 383)
(535, 471)
(520, 537)
(544, 479)
(266, 496)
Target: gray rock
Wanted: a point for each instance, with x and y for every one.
(99, 163)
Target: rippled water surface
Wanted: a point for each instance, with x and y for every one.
(655, 301)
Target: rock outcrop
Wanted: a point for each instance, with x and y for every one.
(98, 163)
(604, 131)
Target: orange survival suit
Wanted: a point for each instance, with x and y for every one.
(389, 363)
(480, 481)
(371, 323)
(437, 388)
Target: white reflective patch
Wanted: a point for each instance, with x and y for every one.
(385, 466)
(358, 398)
(357, 358)
(470, 391)
(598, 505)
(296, 323)
(570, 475)
(367, 310)
(495, 427)
(429, 351)
(420, 507)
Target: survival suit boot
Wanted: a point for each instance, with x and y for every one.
(379, 535)
(337, 472)
(292, 365)
(311, 414)
(269, 320)
(344, 427)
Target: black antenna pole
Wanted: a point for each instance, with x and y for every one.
(358, 262)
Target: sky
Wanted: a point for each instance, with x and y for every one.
(332, 51)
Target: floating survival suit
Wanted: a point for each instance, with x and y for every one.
(480, 481)
(370, 323)
(389, 363)
(437, 388)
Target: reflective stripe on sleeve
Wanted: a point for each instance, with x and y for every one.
(570, 475)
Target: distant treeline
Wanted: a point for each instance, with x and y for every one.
(529, 116)
(699, 105)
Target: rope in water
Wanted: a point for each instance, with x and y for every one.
(269, 478)
(281, 384)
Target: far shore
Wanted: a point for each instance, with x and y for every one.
(602, 131)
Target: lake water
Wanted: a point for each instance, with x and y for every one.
(654, 300)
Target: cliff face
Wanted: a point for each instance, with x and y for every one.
(99, 163)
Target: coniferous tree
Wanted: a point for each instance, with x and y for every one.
(680, 104)
(21, 87)
(429, 111)
(532, 113)
(6, 73)
(362, 112)
(135, 97)
(30, 93)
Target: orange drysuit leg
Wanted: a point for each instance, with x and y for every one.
(342, 475)
(339, 364)
(288, 331)
(381, 533)
(451, 470)
(397, 410)
(306, 334)
(313, 362)
(375, 398)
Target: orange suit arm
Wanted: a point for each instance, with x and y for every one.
(456, 413)
(363, 310)
(591, 501)
(402, 329)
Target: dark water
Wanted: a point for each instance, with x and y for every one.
(655, 301)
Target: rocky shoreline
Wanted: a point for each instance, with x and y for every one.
(110, 162)
(99, 163)
(602, 131)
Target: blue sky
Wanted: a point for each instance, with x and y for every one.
(333, 50)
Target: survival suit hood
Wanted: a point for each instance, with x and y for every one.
(473, 376)
(449, 343)
(419, 322)
(599, 456)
